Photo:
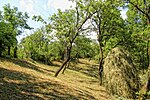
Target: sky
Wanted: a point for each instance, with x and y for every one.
(45, 8)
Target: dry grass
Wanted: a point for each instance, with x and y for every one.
(30, 80)
(120, 75)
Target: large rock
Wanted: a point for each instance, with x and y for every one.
(119, 74)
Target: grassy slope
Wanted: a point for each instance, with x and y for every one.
(24, 79)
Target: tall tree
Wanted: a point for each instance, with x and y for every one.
(68, 25)
(139, 21)
(139, 17)
(18, 20)
(106, 22)
(7, 37)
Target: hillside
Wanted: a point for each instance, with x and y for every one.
(27, 79)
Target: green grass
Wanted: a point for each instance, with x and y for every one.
(30, 80)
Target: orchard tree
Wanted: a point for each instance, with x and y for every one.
(68, 25)
(37, 46)
(82, 47)
(139, 23)
(107, 23)
(7, 37)
(18, 20)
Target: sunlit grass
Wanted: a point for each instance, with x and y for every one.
(27, 79)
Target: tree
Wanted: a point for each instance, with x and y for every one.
(139, 19)
(18, 20)
(38, 46)
(82, 47)
(67, 26)
(7, 38)
(106, 23)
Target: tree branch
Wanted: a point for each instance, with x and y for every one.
(143, 12)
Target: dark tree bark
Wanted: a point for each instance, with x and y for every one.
(101, 64)
(64, 63)
(0, 53)
(9, 50)
(15, 52)
(65, 67)
(100, 48)
(62, 56)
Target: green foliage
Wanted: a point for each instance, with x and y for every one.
(18, 22)
(7, 38)
(84, 48)
(16, 18)
(66, 34)
(36, 46)
(137, 23)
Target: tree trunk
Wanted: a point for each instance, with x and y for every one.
(0, 49)
(101, 64)
(62, 66)
(15, 52)
(0, 53)
(148, 53)
(65, 67)
(66, 61)
(62, 56)
(9, 50)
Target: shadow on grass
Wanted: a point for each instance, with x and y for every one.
(92, 70)
(9, 90)
(29, 65)
(16, 86)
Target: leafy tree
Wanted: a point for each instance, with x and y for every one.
(107, 23)
(18, 20)
(83, 48)
(138, 22)
(67, 26)
(37, 46)
(7, 38)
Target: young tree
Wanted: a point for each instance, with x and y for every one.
(106, 22)
(67, 26)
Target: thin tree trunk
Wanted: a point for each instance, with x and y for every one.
(0, 53)
(101, 64)
(64, 69)
(100, 48)
(148, 53)
(62, 66)
(62, 55)
(15, 52)
(9, 50)
(66, 61)
(66, 66)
